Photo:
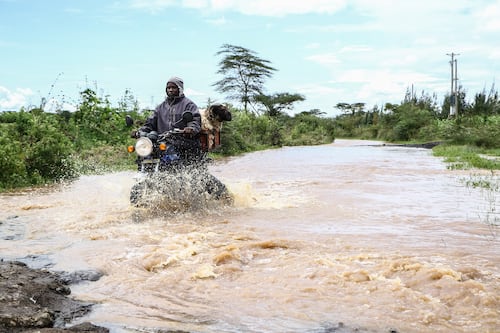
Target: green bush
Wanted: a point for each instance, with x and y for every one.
(47, 154)
(472, 131)
(38, 147)
(12, 168)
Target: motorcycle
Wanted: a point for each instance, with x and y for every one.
(173, 170)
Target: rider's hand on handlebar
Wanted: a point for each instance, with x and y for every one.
(134, 134)
(188, 131)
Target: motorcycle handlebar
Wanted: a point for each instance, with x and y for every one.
(155, 136)
(175, 131)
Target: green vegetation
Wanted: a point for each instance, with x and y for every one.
(463, 157)
(470, 140)
(37, 147)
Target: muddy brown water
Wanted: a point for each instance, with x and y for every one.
(379, 238)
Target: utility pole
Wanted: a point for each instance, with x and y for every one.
(454, 85)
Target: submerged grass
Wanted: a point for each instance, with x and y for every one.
(490, 189)
(466, 157)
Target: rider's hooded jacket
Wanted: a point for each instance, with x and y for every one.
(170, 111)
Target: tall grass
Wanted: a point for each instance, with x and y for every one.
(467, 156)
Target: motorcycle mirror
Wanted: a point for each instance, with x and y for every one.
(129, 121)
(187, 117)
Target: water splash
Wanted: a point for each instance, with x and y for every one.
(187, 190)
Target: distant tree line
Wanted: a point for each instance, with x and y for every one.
(421, 118)
(38, 147)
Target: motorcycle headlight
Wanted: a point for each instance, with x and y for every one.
(143, 147)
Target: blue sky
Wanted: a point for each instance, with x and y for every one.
(330, 51)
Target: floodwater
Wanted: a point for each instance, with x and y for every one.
(376, 237)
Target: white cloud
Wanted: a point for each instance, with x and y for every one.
(487, 17)
(355, 48)
(13, 100)
(248, 7)
(423, 19)
(381, 85)
(319, 96)
(324, 59)
(194, 93)
(218, 22)
(197, 4)
(313, 46)
(494, 53)
(21, 97)
(317, 89)
(279, 7)
(152, 5)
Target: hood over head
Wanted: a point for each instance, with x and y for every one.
(178, 82)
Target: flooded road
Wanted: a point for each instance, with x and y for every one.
(376, 237)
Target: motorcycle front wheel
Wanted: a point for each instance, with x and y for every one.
(136, 194)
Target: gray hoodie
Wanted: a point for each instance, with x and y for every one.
(170, 112)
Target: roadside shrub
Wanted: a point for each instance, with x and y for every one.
(12, 168)
(429, 132)
(307, 129)
(472, 131)
(410, 119)
(47, 154)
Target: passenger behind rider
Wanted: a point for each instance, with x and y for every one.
(168, 115)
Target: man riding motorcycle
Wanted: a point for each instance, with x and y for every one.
(174, 163)
(168, 115)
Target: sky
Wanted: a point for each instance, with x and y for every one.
(329, 51)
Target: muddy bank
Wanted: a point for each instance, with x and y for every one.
(34, 300)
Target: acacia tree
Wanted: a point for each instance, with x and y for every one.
(244, 74)
(276, 103)
(352, 108)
